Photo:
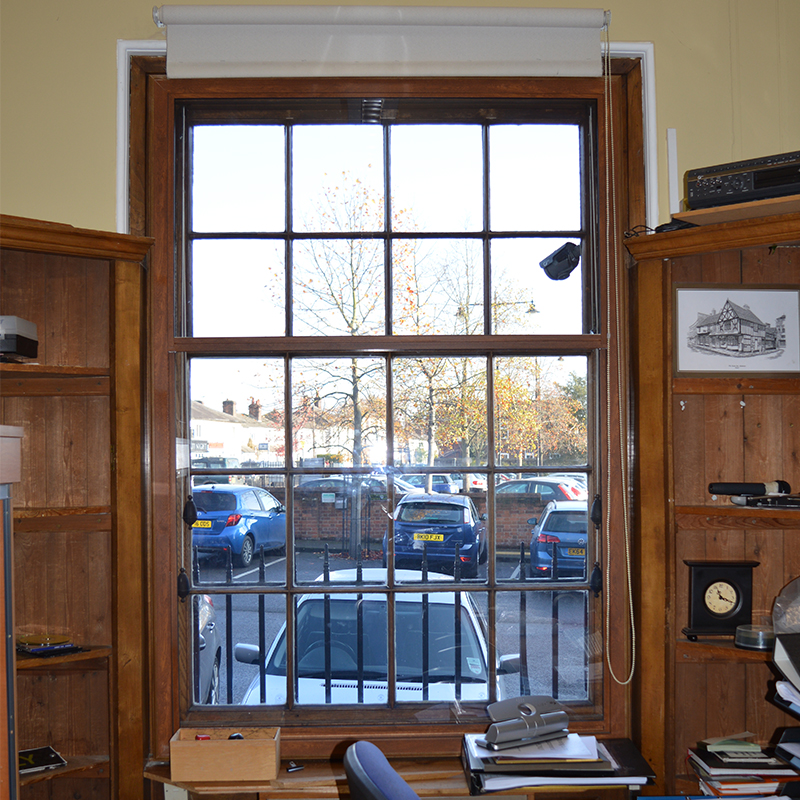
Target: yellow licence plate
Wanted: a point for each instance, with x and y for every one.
(202, 523)
(576, 551)
(428, 537)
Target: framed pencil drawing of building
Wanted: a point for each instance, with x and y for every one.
(727, 330)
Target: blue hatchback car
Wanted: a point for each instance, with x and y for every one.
(441, 522)
(559, 540)
(241, 518)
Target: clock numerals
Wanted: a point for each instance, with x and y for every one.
(721, 598)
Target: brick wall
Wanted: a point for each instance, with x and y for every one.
(315, 520)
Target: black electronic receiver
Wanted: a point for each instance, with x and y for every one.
(742, 181)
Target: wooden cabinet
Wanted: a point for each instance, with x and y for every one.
(79, 552)
(691, 431)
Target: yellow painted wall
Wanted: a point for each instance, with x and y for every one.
(727, 78)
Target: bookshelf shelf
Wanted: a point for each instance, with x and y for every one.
(705, 651)
(88, 766)
(27, 662)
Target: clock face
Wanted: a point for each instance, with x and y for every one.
(721, 598)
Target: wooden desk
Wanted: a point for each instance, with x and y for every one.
(436, 777)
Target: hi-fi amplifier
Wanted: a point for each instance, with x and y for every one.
(742, 181)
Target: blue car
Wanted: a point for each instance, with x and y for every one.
(441, 522)
(240, 518)
(562, 531)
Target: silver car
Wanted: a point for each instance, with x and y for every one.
(336, 668)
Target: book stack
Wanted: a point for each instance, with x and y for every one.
(44, 645)
(737, 768)
(569, 760)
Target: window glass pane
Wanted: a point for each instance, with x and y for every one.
(338, 287)
(438, 531)
(438, 287)
(238, 178)
(541, 411)
(239, 622)
(440, 411)
(437, 177)
(543, 531)
(441, 648)
(234, 534)
(526, 299)
(338, 518)
(551, 631)
(237, 410)
(238, 288)
(337, 178)
(339, 411)
(535, 177)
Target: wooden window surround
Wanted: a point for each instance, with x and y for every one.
(154, 99)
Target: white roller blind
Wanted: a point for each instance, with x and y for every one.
(383, 41)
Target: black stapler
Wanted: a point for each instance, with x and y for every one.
(525, 720)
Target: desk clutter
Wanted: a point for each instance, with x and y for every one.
(213, 755)
(738, 768)
(529, 745)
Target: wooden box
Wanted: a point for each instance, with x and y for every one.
(256, 757)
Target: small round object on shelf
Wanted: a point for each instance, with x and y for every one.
(755, 637)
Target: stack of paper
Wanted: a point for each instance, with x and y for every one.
(732, 773)
(572, 760)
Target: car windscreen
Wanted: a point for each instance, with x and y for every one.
(567, 522)
(207, 502)
(444, 647)
(430, 513)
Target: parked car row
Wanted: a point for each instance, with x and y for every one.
(436, 527)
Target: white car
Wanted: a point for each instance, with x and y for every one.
(339, 655)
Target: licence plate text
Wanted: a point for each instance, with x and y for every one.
(428, 537)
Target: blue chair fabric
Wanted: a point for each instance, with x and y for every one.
(371, 777)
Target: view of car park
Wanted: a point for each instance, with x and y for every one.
(555, 664)
(239, 540)
(400, 466)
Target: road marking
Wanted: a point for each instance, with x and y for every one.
(253, 571)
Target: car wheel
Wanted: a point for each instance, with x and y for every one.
(246, 556)
(213, 688)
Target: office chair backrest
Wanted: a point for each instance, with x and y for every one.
(371, 777)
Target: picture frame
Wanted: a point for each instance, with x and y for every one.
(727, 330)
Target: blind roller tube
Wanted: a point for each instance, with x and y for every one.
(310, 41)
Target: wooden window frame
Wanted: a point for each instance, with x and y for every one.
(153, 212)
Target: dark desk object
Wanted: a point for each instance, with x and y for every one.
(371, 777)
(428, 777)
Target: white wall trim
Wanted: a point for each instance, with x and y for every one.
(646, 52)
(126, 49)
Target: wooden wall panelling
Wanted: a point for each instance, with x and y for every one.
(129, 571)
(719, 429)
(79, 507)
(652, 721)
(77, 568)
